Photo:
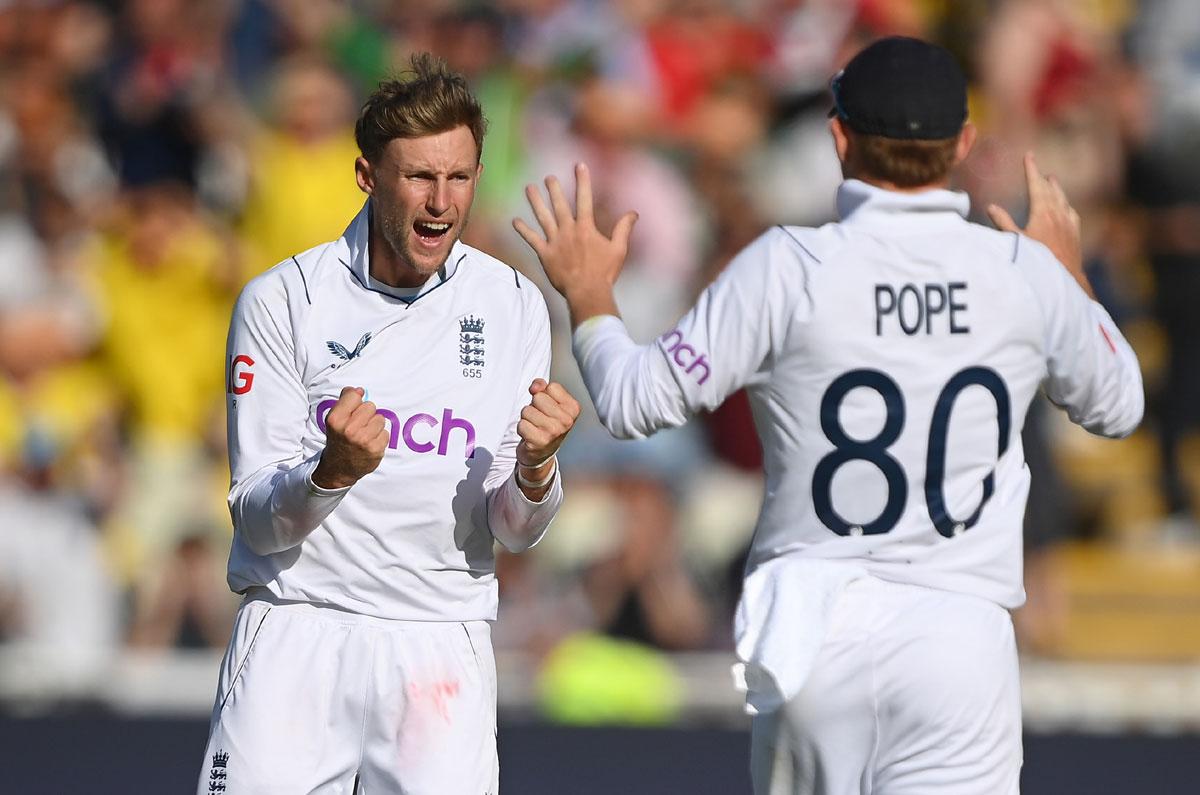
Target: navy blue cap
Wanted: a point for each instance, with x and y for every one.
(902, 88)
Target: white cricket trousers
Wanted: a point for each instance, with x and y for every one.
(914, 692)
(317, 700)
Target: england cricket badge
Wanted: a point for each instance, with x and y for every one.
(470, 344)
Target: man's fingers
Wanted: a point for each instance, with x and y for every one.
(359, 418)
(1002, 219)
(548, 415)
(351, 396)
(561, 396)
(536, 414)
(541, 211)
(1043, 191)
(623, 229)
(553, 399)
(348, 400)
(380, 442)
(532, 434)
(1034, 181)
(558, 200)
(374, 425)
(1060, 195)
(531, 237)
(378, 433)
(583, 194)
(551, 409)
(547, 419)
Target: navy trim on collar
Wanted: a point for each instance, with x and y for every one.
(407, 301)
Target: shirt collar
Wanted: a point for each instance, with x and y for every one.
(856, 200)
(357, 238)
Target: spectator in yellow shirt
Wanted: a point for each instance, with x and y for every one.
(164, 284)
(301, 190)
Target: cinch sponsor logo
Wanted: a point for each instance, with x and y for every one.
(685, 355)
(417, 431)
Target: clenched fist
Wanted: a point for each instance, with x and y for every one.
(544, 425)
(356, 438)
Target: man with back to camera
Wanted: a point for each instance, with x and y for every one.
(388, 418)
(890, 360)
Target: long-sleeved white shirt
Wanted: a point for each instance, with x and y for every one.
(449, 366)
(890, 359)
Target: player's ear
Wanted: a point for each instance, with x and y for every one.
(364, 175)
(479, 171)
(841, 140)
(966, 140)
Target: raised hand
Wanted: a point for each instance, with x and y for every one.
(580, 261)
(1052, 221)
(356, 438)
(543, 426)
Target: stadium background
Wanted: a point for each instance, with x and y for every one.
(155, 154)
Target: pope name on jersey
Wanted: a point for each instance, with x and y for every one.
(889, 380)
(447, 365)
(890, 359)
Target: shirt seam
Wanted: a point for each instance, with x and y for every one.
(362, 734)
(303, 280)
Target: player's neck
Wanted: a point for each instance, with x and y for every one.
(387, 266)
(883, 184)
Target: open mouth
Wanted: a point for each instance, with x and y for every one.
(431, 232)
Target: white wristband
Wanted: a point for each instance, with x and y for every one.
(536, 484)
(539, 464)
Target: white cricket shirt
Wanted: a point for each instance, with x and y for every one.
(890, 359)
(449, 366)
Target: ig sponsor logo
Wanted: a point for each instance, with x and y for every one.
(238, 377)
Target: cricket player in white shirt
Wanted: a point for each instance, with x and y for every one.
(890, 359)
(389, 417)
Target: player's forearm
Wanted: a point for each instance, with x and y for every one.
(633, 392)
(589, 301)
(1110, 403)
(517, 521)
(277, 509)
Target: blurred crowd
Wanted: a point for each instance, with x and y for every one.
(156, 154)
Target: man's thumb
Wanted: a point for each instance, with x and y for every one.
(1000, 217)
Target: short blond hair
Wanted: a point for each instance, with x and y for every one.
(427, 100)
